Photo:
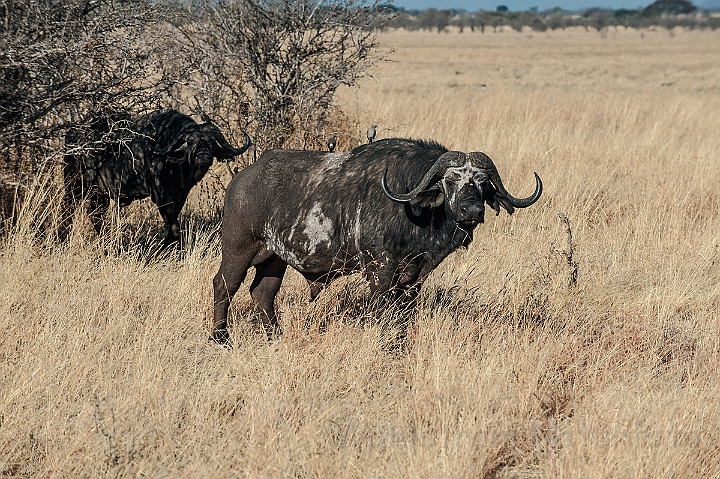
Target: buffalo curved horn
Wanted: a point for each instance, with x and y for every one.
(226, 150)
(176, 139)
(481, 160)
(436, 171)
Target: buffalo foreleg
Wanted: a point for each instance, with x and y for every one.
(170, 216)
(268, 278)
(380, 275)
(397, 283)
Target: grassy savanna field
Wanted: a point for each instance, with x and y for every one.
(507, 369)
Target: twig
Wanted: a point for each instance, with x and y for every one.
(568, 253)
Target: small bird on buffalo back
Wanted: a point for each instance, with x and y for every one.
(371, 133)
(331, 144)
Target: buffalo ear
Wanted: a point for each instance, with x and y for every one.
(506, 204)
(429, 198)
(495, 201)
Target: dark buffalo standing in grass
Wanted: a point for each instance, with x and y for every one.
(394, 208)
(161, 155)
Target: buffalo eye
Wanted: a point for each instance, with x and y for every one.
(481, 184)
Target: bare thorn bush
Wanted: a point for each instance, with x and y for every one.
(276, 65)
(65, 64)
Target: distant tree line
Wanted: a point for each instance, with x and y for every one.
(662, 13)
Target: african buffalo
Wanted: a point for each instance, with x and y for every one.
(394, 208)
(161, 155)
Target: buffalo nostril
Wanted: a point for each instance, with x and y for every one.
(471, 213)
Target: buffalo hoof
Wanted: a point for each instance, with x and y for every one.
(221, 337)
(272, 331)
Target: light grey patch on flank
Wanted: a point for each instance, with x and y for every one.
(292, 231)
(275, 244)
(318, 228)
(356, 229)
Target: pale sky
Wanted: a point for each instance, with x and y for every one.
(521, 5)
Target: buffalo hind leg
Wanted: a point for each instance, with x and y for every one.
(78, 193)
(268, 278)
(71, 198)
(98, 206)
(226, 283)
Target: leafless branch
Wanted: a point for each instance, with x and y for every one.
(568, 253)
(280, 62)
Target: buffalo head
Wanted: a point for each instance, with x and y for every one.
(463, 183)
(199, 144)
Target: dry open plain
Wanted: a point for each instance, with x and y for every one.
(507, 371)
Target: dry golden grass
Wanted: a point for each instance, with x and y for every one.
(506, 372)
